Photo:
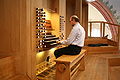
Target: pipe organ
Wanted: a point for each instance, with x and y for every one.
(45, 38)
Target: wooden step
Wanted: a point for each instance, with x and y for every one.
(114, 60)
(98, 47)
(95, 41)
(102, 49)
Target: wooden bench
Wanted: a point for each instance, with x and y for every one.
(68, 65)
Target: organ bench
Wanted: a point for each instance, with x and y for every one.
(67, 66)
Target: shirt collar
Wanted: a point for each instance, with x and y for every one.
(76, 24)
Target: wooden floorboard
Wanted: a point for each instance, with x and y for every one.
(19, 77)
(96, 69)
(115, 73)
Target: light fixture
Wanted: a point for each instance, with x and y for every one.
(90, 0)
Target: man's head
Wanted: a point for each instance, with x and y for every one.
(74, 19)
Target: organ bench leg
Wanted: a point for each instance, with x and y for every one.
(62, 71)
(82, 65)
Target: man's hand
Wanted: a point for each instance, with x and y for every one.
(58, 42)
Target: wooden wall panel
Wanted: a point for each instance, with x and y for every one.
(55, 20)
(9, 26)
(10, 30)
(14, 32)
(70, 10)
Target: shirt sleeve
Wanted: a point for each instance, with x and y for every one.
(72, 36)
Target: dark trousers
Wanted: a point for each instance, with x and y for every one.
(69, 50)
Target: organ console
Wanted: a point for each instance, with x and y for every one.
(45, 40)
(43, 32)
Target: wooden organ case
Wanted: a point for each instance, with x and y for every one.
(45, 40)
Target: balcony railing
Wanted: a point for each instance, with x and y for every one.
(102, 30)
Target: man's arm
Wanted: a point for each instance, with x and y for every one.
(71, 37)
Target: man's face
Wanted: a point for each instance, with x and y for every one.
(72, 21)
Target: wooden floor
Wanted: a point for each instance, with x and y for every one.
(96, 69)
(115, 73)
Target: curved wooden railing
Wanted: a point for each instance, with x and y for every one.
(102, 25)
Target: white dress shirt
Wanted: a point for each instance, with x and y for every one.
(76, 36)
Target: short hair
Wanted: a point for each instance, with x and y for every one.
(75, 18)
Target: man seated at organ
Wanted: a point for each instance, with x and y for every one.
(75, 40)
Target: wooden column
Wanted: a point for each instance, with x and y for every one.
(90, 29)
(78, 9)
(81, 10)
(85, 16)
(70, 10)
(101, 29)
